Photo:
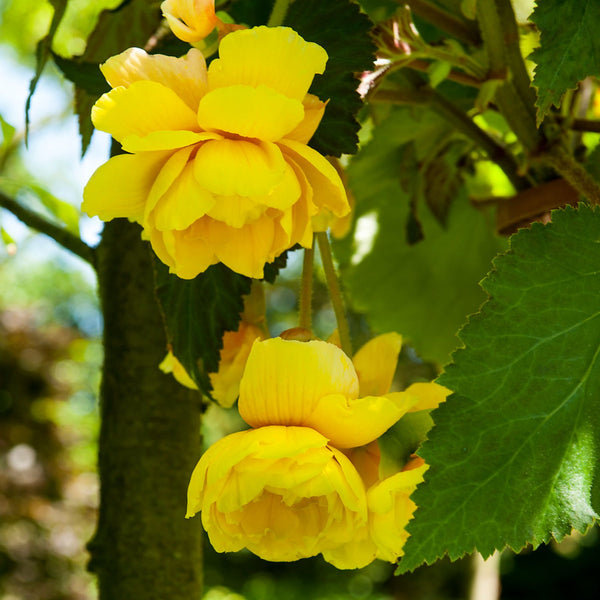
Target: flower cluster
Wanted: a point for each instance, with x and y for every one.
(217, 167)
(304, 480)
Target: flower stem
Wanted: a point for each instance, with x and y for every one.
(278, 13)
(306, 288)
(335, 292)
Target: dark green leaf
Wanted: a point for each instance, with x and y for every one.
(197, 313)
(86, 76)
(569, 48)
(514, 453)
(343, 31)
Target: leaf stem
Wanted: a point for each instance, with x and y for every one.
(61, 236)
(306, 288)
(335, 292)
(564, 163)
(280, 8)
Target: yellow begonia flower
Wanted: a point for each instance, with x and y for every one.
(284, 490)
(281, 492)
(219, 169)
(190, 20)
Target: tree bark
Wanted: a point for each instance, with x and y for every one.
(149, 439)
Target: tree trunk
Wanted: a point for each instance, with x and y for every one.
(149, 439)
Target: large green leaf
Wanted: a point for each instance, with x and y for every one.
(569, 48)
(197, 312)
(423, 290)
(514, 453)
(343, 31)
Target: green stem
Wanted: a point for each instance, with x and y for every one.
(562, 162)
(335, 292)
(278, 13)
(306, 288)
(60, 235)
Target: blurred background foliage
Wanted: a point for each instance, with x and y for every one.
(50, 350)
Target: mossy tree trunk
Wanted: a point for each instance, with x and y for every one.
(143, 548)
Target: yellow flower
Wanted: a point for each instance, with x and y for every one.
(219, 169)
(190, 20)
(281, 492)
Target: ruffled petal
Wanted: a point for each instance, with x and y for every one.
(236, 211)
(430, 395)
(229, 167)
(120, 187)
(186, 76)
(140, 109)
(284, 380)
(375, 363)
(165, 140)
(328, 189)
(190, 20)
(314, 110)
(192, 255)
(273, 56)
(261, 112)
(350, 423)
(183, 203)
(390, 510)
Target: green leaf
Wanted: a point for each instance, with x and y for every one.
(568, 50)
(8, 133)
(66, 213)
(197, 313)
(343, 31)
(513, 455)
(42, 54)
(422, 290)
(86, 76)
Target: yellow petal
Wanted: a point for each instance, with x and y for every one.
(165, 140)
(260, 112)
(236, 211)
(284, 380)
(171, 365)
(366, 461)
(313, 113)
(328, 189)
(375, 363)
(183, 203)
(191, 254)
(190, 20)
(186, 76)
(229, 167)
(233, 357)
(140, 109)
(430, 395)
(120, 187)
(161, 247)
(350, 423)
(273, 56)
(244, 250)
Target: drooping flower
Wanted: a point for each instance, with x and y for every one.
(190, 20)
(277, 488)
(218, 169)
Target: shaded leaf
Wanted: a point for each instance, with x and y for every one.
(343, 30)
(66, 213)
(197, 313)
(569, 48)
(513, 456)
(86, 76)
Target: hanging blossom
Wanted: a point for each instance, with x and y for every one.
(218, 167)
(304, 480)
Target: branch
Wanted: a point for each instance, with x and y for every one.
(444, 21)
(60, 235)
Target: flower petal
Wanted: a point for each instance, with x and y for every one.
(140, 109)
(171, 365)
(229, 167)
(183, 203)
(190, 20)
(351, 423)
(328, 189)
(165, 140)
(186, 76)
(375, 363)
(260, 112)
(313, 113)
(430, 395)
(284, 380)
(192, 255)
(274, 56)
(120, 187)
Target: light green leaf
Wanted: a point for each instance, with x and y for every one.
(424, 290)
(8, 133)
(569, 48)
(66, 213)
(514, 453)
